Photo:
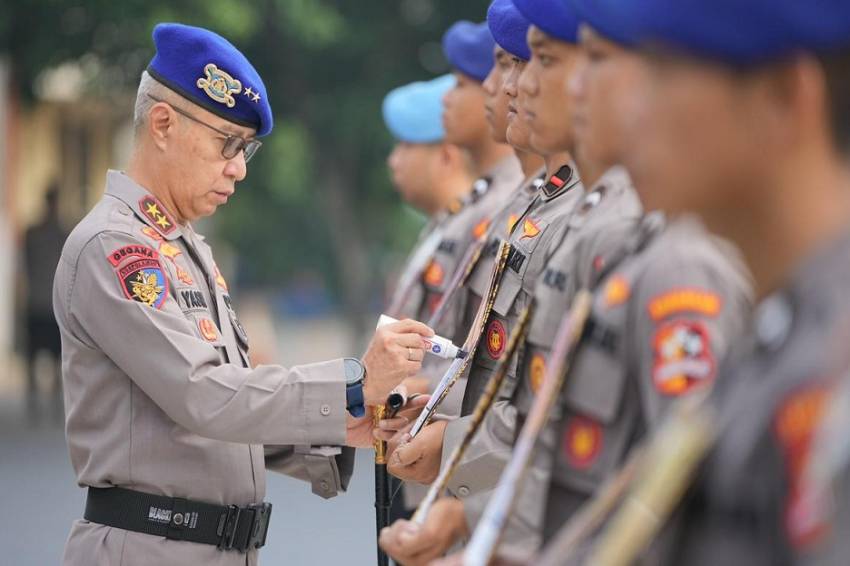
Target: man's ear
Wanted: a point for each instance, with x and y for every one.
(161, 124)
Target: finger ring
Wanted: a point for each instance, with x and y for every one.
(410, 354)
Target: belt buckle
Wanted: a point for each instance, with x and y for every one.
(227, 527)
(259, 525)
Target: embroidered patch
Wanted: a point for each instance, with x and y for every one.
(617, 291)
(496, 339)
(582, 442)
(219, 279)
(480, 229)
(219, 86)
(208, 330)
(530, 229)
(156, 213)
(434, 274)
(143, 279)
(151, 233)
(184, 276)
(796, 424)
(684, 300)
(169, 250)
(536, 372)
(512, 222)
(122, 253)
(683, 357)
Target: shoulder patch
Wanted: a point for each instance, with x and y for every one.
(795, 425)
(685, 300)
(683, 358)
(157, 214)
(140, 274)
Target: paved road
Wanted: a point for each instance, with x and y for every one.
(39, 499)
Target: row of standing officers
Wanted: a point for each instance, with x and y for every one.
(680, 162)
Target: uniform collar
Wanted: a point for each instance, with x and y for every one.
(147, 207)
(565, 179)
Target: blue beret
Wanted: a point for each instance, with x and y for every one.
(414, 113)
(606, 17)
(509, 28)
(469, 49)
(744, 33)
(208, 70)
(554, 17)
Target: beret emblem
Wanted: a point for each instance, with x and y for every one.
(219, 85)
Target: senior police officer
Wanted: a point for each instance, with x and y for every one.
(166, 421)
(764, 108)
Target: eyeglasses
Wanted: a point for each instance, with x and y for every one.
(232, 144)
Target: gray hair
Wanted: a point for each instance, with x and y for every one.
(148, 86)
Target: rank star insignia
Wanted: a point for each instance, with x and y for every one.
(219, 85)
(252, 94)
(153, 210)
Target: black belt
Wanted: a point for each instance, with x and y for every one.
(226, 526)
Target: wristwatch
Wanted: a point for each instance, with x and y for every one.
(355, 375)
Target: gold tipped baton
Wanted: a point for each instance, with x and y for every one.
(485, 539)
(458, 366)
(482, 406)
(382, 486)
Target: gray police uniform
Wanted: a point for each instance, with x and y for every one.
(159, 394)
(611, 203)
(749, 503)
(664, 313)
(468, 225)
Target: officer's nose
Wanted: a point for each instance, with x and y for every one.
(236, 168)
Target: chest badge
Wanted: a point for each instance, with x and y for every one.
(434, 274)
(536, 372)
(530, 229)
(496, 339)
(582, 442)
(208, 330)
(617, 291)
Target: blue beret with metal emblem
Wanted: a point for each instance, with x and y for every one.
(208, 70)
(743, 32)
(554, 17)
(509, 28)
(469, 49)
(413, 113)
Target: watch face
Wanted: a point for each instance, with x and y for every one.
(353, 370)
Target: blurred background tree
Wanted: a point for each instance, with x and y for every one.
(317, 209)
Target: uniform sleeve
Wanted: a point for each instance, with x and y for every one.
(327, 469)
(687, 310)
(480, 469)
(159, 350)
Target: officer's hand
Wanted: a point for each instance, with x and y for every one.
(418, 459)
(416, 545)
(358, 432)
(392, 429)
(395, 353)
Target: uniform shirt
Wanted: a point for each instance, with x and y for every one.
(663, 316)
(749, 504)
(159, 394)
(462, 229)
(610, 202)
